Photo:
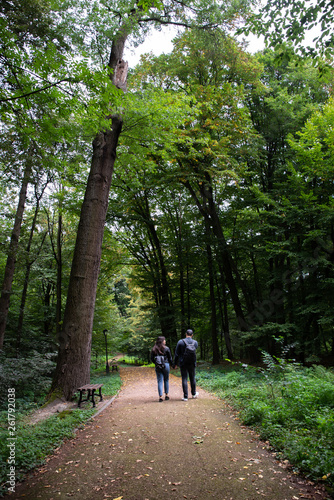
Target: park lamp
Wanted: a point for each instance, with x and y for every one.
(107, 364)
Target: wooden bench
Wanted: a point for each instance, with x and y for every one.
(114, 365)
(90, 388)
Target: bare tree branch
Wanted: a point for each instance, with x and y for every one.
(36, 91)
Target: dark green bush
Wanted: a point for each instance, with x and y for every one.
(289, 405)
(31, 378)
(34, 442)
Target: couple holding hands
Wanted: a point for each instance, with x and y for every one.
(185, 358)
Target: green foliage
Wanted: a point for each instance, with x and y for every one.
(289, 405)
(30, 376)
(129, 360)
(111, 383)
(36, 441)
(292, 21)
(146, 4)
(209, 130)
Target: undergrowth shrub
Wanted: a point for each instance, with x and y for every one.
(255, 412)
(35, 441)
(31, 378)
(290, 405)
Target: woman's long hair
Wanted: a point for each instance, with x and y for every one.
(158, 347)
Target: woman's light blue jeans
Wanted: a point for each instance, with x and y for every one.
(163, 379)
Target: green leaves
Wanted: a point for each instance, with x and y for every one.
(291, 23)
(314, 146)
(292, 408)
(147, 4)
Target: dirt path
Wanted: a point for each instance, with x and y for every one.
(140, 449)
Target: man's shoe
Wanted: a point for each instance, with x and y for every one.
(166, 398)
(160, 400)
(195, 395)
(184, 399)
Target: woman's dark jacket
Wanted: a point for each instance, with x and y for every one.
(167, 356)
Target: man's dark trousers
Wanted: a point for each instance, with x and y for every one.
(185, 370)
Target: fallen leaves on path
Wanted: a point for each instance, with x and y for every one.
(137, 432)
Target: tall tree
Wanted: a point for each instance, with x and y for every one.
(210, 148)
(29, 262)
(311, 175)
(13, 247)
(32, 67)
(75, 340)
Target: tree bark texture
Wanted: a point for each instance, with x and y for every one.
(214, 337)
(73, 366)
(59, 262)
(75, 339)
(211, 216)
(11, 258)
(29, 262)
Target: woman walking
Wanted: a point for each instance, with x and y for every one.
(162, 358)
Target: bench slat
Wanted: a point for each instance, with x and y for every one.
(90, 388)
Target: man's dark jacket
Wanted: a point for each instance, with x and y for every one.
(180, 348)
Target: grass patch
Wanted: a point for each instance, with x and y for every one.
(111, 382)
(35, 442)
(289, 405)
(134, 360)
(129, 360)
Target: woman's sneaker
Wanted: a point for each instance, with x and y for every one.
(195, 395)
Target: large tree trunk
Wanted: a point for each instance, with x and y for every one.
(225, 259)
(214, 337)
(73, 366)
(14, 243)
(59, 262)
(73, 363)
(222, 301)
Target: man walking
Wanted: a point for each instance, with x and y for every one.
(185, 358)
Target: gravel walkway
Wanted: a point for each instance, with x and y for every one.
(140, 449)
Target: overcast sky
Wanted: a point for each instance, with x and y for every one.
(161, 42)
(158, 42)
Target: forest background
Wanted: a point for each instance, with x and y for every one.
(218, 214)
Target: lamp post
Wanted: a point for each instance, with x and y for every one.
(107, 364)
